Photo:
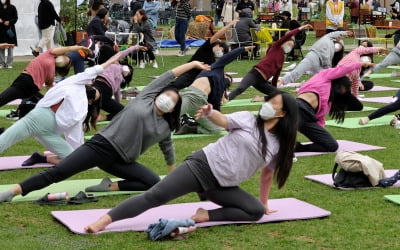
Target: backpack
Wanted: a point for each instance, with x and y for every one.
(356, 170)
(28, 104)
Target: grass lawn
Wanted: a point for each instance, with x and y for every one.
(360, 219)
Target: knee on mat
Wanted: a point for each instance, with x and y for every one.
(331, 146)
(256, 212)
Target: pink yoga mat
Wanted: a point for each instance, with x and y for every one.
(382, 88)
(288, 209)
(346, 146)
(14, 162)
(15, 102)
(326, 179)
(386, 99)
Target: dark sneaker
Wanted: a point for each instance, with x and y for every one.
(13, 115)
(387, 182)
(34, 52)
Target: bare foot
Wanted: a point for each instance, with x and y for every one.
(257, 98)
(99, 225)
(201, 215)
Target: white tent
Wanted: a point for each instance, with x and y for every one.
(26, 29)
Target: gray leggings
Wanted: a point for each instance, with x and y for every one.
(392, 58)
(237, 205)
(309, 63)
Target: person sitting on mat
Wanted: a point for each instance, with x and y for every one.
(323, 54)
(264, 141)
(109, 84)
(64, 109)
(209, 87)
(355, 56)
(211, 49)
(269, 66)
(146, 120)
(39, 72)
(326, 92)
(391, 107)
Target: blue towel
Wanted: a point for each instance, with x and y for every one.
(164, 227)
(174, 44)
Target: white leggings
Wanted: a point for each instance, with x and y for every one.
(47, 38)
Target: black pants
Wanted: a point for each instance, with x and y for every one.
(96, 152)
(386, 109)
(107, 103)
(149, 52)
(22, 87)
(354, 19)
(236, 204)
(321, 140)
(255, 79)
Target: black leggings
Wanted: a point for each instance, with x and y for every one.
(22, 87)
(236, 204)
(322, 140)
(96, 152)
(107, 103)
(386, 109)
(255, 79)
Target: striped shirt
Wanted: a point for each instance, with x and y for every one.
(352, 57)
(183, 10)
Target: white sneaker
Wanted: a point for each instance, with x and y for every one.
(363, 121)
(155, 65)
(180, 53)
(156, 52)
(9, 66)
(141, 65)
(1, 66)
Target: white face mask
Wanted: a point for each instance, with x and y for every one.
(165, 103)
(267, 112)
(218, 53)
(365, 59)
(96, 50)
(62, 61)
(287, 48)
(338, 47)
(125, 71)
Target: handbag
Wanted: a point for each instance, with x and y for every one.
(10, 33)
(357, 170)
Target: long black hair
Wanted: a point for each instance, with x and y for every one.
(93, 109)
(286, 130)
(338, 99)
(173, 117)
(127, 79)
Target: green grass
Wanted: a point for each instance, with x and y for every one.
(359, 220)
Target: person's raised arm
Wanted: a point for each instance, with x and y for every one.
(222, 31)
(230, 56)
(179, 70)
(213, 115)
(342, 70)
(266, 179)
(337, 34)
(62, 50)
(129, 50)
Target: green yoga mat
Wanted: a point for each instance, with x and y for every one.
(241, 102)
(379, 75)
(4, 112)
(175, 137)
(103, 123)
(394, 67)
(70, 186)
(353, 122)
(395, 198)
(395, 80)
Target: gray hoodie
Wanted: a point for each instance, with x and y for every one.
(243, 26)
(325, 48)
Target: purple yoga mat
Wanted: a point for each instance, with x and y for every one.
(14, 162)
(386, 99)
(346, 146)
(326, 179)
(288, 209)
(381, 88)
(15, 102)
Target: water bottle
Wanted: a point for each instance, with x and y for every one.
(57, 196)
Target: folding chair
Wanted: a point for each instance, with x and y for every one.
(233, 41)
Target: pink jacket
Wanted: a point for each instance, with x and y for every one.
(354, 56)
(320, 84)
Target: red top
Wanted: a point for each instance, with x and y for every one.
(271, 64)
(42, 68)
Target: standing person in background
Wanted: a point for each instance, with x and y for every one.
(94, 7)
(152, 7)
(98, 25)
(354, 9)
(135, 5)
(375, 5)
(8, 18)
(183, 14)
(334, 15)
(47, 17)
(244, 4)
(300, 5)
(218, 10)
(286, 6)
(228, 15)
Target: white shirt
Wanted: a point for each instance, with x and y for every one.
(73, 110)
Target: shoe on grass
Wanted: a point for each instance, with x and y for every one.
(363, 121)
